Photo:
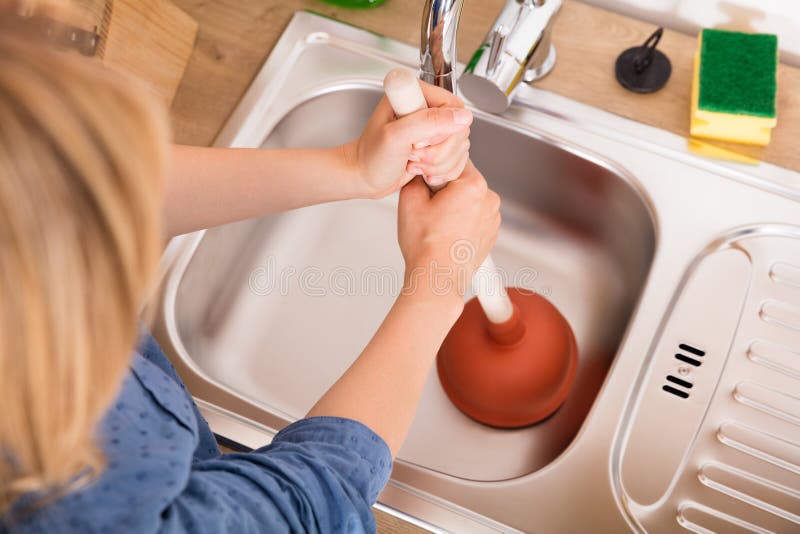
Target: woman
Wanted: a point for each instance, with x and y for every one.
(95, 437)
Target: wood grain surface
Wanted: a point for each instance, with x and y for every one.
(150, 39)
(236, 36)
(585, 67)
(388, 524)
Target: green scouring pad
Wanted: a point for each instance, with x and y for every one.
(735, 86)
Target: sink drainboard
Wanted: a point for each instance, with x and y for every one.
(729, 457)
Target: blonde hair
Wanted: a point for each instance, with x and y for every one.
(81, 163)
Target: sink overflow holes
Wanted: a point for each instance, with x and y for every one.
(679, 386)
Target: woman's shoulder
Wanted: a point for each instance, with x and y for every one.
(148, 437)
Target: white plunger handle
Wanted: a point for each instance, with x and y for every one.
(405, 96)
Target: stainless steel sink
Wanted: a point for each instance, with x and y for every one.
(647, 250)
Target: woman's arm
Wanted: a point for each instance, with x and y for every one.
(383, 386)
(211, 186)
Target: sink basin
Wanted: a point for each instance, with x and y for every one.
(614, 222)
(574, 230)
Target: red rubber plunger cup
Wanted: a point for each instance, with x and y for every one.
(512, 373)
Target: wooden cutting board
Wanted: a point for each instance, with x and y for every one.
(151, 39)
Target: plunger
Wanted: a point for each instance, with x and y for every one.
(511, 358)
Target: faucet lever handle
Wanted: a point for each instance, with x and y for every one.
(499, 37)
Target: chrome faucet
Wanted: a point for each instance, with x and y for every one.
(517, 48)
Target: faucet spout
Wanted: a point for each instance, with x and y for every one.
(516, 48)
(438, 50)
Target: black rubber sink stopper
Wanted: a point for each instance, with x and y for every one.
(644, 69)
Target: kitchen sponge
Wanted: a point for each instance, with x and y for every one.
(734, 87)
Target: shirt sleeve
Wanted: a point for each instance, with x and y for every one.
(321, 474)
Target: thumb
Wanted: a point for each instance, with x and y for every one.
(431, 125)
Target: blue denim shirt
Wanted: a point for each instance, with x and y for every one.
(165, 473)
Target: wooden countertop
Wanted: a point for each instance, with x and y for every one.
(236, 37)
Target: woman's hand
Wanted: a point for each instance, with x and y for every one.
(445, 237)
(383, 386)
(433, 142)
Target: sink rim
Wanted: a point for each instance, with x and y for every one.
(191, 242)
(773, 187)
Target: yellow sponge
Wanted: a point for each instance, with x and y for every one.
(734, 87)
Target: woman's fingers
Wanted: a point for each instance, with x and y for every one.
(438, 97)
(494, 202)
(446, 167)
(472, 180)
(448, 173)
(439, 152)
(437, 139)
(428, 127)
(441, 159)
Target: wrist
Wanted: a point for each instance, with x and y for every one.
(436, 282)
(442, 309)
(356, 185)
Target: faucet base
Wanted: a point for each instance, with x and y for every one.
(517, 48)
(494, 94)
(539, 72)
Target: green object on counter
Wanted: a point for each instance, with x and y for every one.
(738, 73)
(358, 4)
